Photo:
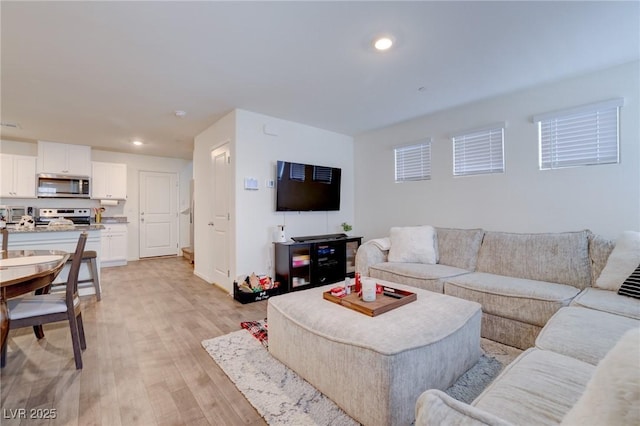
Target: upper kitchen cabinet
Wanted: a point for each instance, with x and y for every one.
(17, 176)
(60, 158)
(109, 181)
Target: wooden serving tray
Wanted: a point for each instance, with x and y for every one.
(382, 304)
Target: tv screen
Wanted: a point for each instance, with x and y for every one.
(306, 187)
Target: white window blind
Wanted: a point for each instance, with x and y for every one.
(413, 162)
(479, 152)
(579, 137)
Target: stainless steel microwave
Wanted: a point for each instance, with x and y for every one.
(63, 186)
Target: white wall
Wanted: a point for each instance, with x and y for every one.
(130, 207)
(253, 217)
(256, 157)
(605, 199)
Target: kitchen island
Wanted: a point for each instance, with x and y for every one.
(45, 238)
(45, 228)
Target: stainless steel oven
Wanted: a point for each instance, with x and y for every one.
(79, 216)
(63, 186)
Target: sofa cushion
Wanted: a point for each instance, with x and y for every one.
(582, 333)
(537, 388)
(555, 257)
(608, 301)
(612, 396)
(622, 261)
(459, 247)
(413, 244)
(528, 301)
(420, 275)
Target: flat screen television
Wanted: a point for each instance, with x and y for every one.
(307, 187)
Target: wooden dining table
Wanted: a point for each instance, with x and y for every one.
(23, 271)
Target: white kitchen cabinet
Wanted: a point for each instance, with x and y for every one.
(17, 176)
(108, 181)
(114, 245)
(61, 158)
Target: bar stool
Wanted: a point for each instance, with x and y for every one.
(89, 257)
(5, 239)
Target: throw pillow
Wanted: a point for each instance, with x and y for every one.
(622, 261)
(415, 244)
(631, 286)
(612, 395)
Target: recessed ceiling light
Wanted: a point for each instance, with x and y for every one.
(179, 113)
(137, 143)
(383, 43)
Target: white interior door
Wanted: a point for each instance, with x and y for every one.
(219, 215)
(158, 214)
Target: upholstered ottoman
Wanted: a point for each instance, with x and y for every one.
(375, 368)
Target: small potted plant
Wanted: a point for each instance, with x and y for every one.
(346, 227)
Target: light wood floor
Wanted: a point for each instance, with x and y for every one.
(143, 365)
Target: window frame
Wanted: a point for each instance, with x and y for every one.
(599, 143)
(425, 161)
(478, 134)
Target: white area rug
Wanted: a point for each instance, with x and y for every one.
(283, 398)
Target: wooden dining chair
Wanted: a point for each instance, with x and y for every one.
(89, 257)
(35, 310)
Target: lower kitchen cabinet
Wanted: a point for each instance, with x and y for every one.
(114, 245)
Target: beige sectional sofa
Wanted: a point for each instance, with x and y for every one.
(543, 387)
(520, 280)
(539, 292)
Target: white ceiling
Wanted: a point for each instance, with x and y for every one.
(105, 73)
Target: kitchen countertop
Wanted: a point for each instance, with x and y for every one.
(45, 228)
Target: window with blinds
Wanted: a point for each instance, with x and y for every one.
(413, 162)
(479, 152)
(579, 137)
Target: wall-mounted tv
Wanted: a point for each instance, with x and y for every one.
(307, 187)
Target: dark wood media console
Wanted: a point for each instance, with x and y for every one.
(315, 260)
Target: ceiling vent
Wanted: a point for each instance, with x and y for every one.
(10, 125)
